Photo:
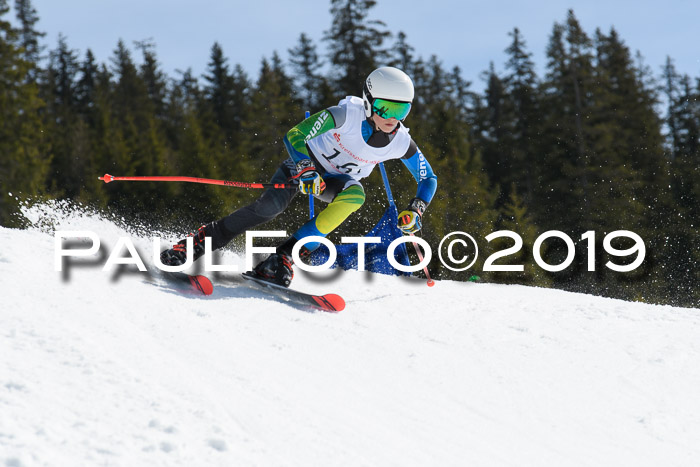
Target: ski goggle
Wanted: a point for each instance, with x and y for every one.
(391, 109)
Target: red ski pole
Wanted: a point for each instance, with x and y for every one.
(420, 259)
(107, 178)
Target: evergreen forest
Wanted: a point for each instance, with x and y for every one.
(599, 142)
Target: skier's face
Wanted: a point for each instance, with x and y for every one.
(387, 125)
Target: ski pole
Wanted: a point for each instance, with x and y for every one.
(307, 114)
(107, 178)
(420, 258)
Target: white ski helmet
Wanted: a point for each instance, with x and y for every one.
(388, 92)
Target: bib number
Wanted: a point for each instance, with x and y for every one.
(347, 167)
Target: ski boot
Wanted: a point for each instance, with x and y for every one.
(177, 255)
(277, 269)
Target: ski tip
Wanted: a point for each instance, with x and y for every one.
(331, 302)
(203, 284)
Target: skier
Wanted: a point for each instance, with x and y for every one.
(330, 152)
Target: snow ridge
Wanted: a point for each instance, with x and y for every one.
(98, 368)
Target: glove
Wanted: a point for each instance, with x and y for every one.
(410, 220)
(310, 182)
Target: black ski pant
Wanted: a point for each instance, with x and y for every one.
(269, 205)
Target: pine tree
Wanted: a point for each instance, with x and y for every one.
(272, 113)
(127, 92)
(683, 121)
(421, 84)
(184, 98)
(354, 43)
(493, 130)
(195, 158)
(515, 218)
(564, 195)
(240, 99)
(25, 154)
(222, 113)
(28, 35)
(311, 87)
(521, 85)
(461, 95)
(633, 170)
(130, 92)
(85, 86)
(59, 93)
(62, 70)
(153, 77)
(402, 54)
(91, 92)
(219, 90)
(136, 145)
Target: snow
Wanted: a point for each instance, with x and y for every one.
(98, 368)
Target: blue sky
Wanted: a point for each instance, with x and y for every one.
(466, 33)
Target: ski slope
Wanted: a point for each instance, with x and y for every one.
(98, 368)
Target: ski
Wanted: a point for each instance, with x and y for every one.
(202, 285)
(197, 283)
(329, 302)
